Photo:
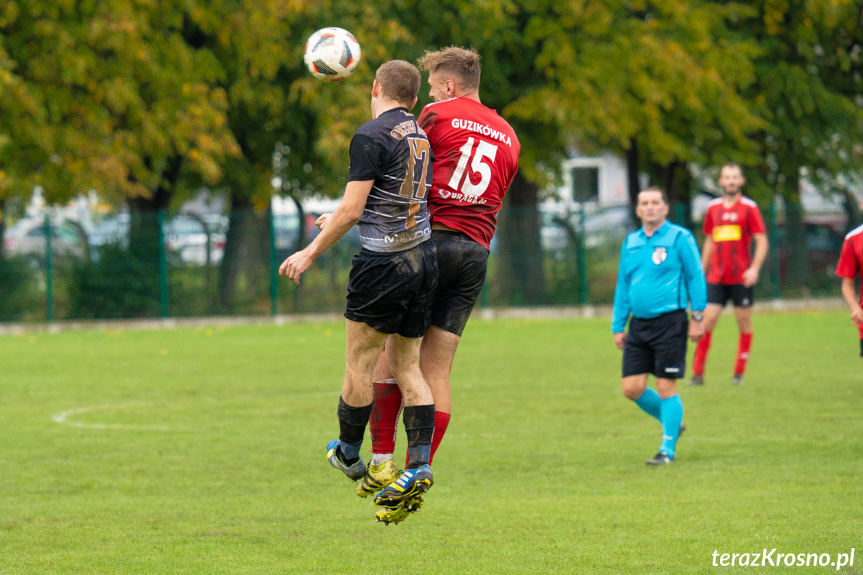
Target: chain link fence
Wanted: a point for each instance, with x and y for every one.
(155, 266)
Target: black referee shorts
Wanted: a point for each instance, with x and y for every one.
(657, 346)
(392, 292)
(462, 264)
(739, 294)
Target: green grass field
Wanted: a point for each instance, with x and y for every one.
(201, 451)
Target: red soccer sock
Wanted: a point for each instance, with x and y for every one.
(441, 421)
(744, 344)
(384, 420)
(701, 353)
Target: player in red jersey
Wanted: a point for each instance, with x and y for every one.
(849, 267)
(475, 160)
(731, 223)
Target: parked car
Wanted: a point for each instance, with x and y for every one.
(824, 244)
(186, 238)
(288, 229)
(601, 225)
(27, 238)
(111, 230)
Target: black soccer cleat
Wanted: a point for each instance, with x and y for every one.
(696, 380)
(737, 379)
(660, 459)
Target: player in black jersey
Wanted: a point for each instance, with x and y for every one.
(392, 278)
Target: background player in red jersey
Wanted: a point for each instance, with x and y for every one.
(849, 267)
(731, 223)
(475, 160)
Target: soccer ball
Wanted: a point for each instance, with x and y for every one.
(332, 54)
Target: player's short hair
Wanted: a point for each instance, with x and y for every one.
(460, 64)
(731, 165)
(400, 81)
(656, 189)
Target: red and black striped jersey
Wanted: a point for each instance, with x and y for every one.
(731, 228)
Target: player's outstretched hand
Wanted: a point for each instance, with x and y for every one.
(857, 316)
(293, 267)
(322, 221)
(620, 340)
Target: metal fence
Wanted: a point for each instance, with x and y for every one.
(187, 266)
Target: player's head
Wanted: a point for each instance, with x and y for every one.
(652, 207)
(731, 179)
(453, 72)
(396, 82)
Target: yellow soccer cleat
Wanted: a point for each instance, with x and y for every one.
(377, 477)
(405, 489)
(398, 514)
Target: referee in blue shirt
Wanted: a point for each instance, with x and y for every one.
(660, 274)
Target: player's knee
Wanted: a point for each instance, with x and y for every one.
(632, 390)
(666, 388)
(402, 372)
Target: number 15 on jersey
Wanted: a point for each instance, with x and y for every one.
(477, 165)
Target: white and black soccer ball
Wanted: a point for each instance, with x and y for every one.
(332, 54)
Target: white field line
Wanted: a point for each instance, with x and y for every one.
(63, 418)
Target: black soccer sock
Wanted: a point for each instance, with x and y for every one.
(419, 425)
(352, 428)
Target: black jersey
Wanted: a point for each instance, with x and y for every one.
(393, 151)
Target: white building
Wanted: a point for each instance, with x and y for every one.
(600, 179)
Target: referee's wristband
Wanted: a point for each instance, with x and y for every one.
(696, 316)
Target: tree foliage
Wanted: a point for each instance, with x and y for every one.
(144, 100)
(113, 92)
(807, 90)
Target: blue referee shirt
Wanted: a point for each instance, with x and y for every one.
(658, 274)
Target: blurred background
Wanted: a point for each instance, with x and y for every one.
(160, 159)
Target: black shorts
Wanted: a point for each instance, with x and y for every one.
(739, 294)
(657, 346)
(462, 264)
(392, 291)
(861, 348)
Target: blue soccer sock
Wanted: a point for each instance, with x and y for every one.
(650, 403)
(350, 452)
(671, 416)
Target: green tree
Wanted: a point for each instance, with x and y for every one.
(111, 97)
(807, 89)
(286, 123)
(658, 82)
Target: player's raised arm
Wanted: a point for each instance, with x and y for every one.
(346, 215)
